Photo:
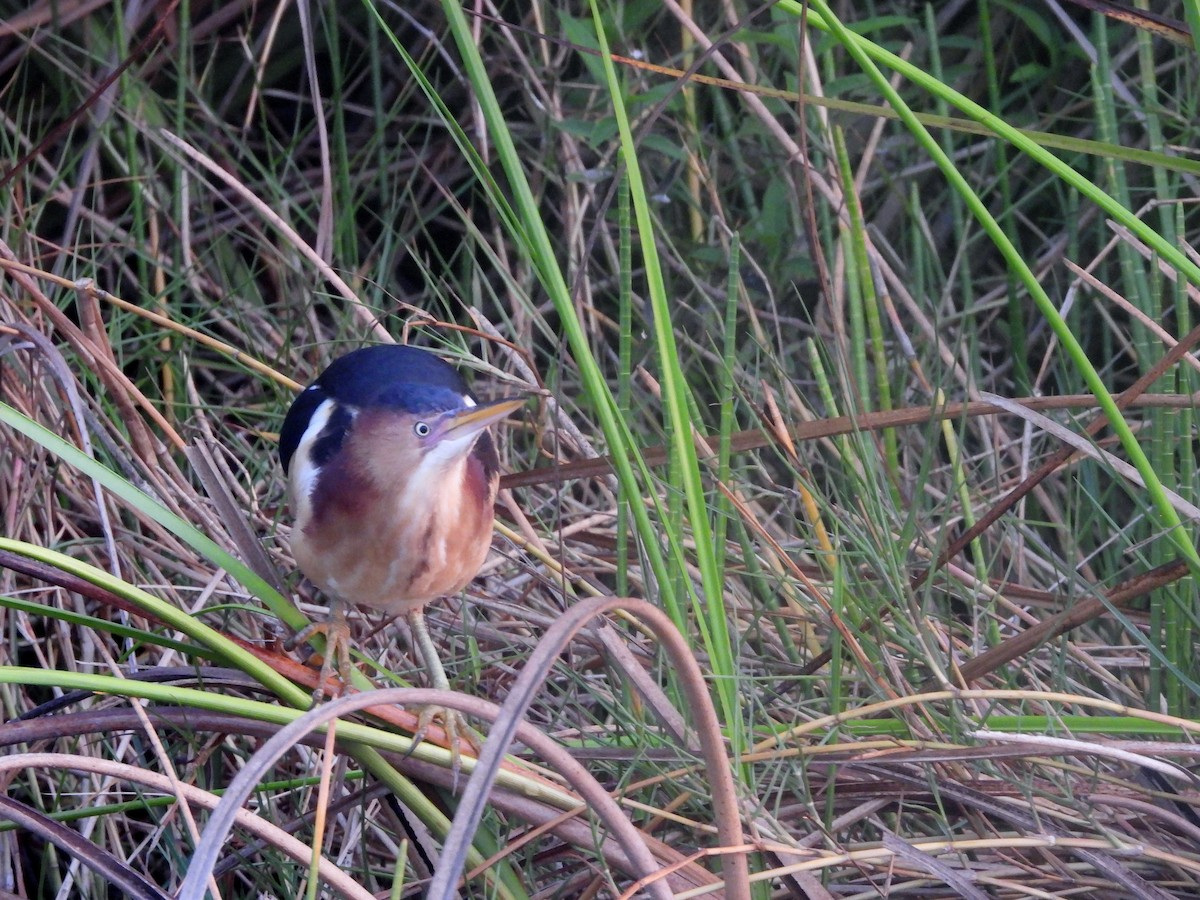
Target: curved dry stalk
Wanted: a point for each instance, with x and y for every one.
(474, 798)
(260, 828)
(566, 826)
(223, 817)
(111, 870)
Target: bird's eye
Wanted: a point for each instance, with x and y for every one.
(422, 429)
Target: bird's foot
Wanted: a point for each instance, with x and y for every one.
(458, 732)
(337, 648)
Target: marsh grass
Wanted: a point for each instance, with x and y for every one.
(882, 325)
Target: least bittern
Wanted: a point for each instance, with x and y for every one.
(392, 477)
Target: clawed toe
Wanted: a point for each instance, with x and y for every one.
(458, 732)
(337, 649)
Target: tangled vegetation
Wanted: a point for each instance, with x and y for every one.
(860, 341)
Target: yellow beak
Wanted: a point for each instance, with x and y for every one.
(474, 419)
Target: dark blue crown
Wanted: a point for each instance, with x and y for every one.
(388, 376)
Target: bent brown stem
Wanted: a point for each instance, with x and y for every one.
(718, 766)
(213, 838)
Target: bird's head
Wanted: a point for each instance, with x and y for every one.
(392, 418)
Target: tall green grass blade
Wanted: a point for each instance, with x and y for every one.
(863, 52)
(866, 319)
(727, 392)
(155, 511)
(229, 651)
(625, 368)
(523, 221)
(710, 611)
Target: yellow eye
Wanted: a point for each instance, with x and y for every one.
(422, 429)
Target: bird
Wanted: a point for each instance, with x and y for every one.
(392, 475)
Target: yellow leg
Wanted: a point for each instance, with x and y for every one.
(337, 647)
(430, 657)
(456, 727)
